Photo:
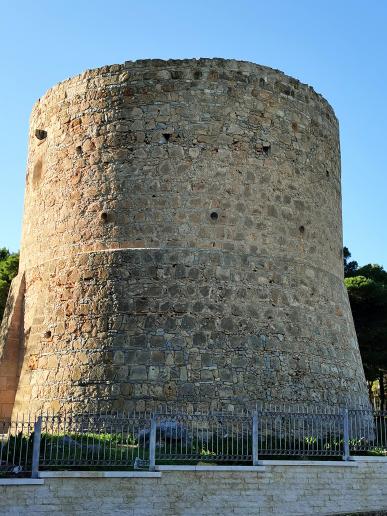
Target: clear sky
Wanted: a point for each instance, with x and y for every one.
(337, 46)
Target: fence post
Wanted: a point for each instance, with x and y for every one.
(346, 435)
(152, 444)
(36, 447)
(255, 439)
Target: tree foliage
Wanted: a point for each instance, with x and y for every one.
(350, 268)
(9, 265)
(367, 290)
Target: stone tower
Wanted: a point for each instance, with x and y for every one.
(182, 242)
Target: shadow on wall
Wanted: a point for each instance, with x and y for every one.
(11, 346)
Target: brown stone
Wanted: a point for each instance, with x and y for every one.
(162, 245)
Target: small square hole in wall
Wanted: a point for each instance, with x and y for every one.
(266, 149)
(165, 137)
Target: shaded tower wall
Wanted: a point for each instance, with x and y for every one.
(182, 242)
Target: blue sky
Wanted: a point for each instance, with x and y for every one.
(339, 47)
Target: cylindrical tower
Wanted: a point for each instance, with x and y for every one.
(182, 242)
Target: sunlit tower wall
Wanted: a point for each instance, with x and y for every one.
(182, 243)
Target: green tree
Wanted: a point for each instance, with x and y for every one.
(9, 264)
(367, 290)
(350, 268)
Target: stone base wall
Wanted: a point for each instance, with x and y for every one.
(279, 489)
(130, 329)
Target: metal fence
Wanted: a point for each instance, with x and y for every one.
(16, 445)
(302, 433)
(368, 431)
(94, 440)
(203, 437)
(142, 440)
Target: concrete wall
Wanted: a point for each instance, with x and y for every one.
(280, 490)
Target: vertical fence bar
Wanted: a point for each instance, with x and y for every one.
(152, 444)
(36, 447)
(346, 455)
(255, 439)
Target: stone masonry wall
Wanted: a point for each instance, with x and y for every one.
(182, 242)
(279, 490)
